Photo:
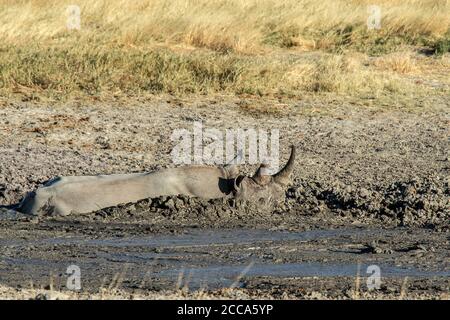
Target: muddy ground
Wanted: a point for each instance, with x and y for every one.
(371, 186)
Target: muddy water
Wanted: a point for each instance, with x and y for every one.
(210, 238)
(207, 258)
(225, 276)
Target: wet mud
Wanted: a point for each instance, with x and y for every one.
(369, 188)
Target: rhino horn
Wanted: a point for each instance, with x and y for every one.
(282, 177)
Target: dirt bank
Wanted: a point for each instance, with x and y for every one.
(354, 163)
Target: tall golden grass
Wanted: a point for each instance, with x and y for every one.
(204, 46)
(240, 25)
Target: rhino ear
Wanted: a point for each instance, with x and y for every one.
(237, 183)
(232, 167)
(232, 170)
(260, 176)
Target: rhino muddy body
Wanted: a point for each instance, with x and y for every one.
(84, 194)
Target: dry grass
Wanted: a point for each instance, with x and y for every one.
(8, 293)
(257, 47)
(397, 62)
(242, 26)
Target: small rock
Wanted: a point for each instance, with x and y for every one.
(364, 193)
(42, 296)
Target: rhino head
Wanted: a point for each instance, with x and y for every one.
(264, 189)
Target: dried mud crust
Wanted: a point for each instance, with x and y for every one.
(420, 202)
